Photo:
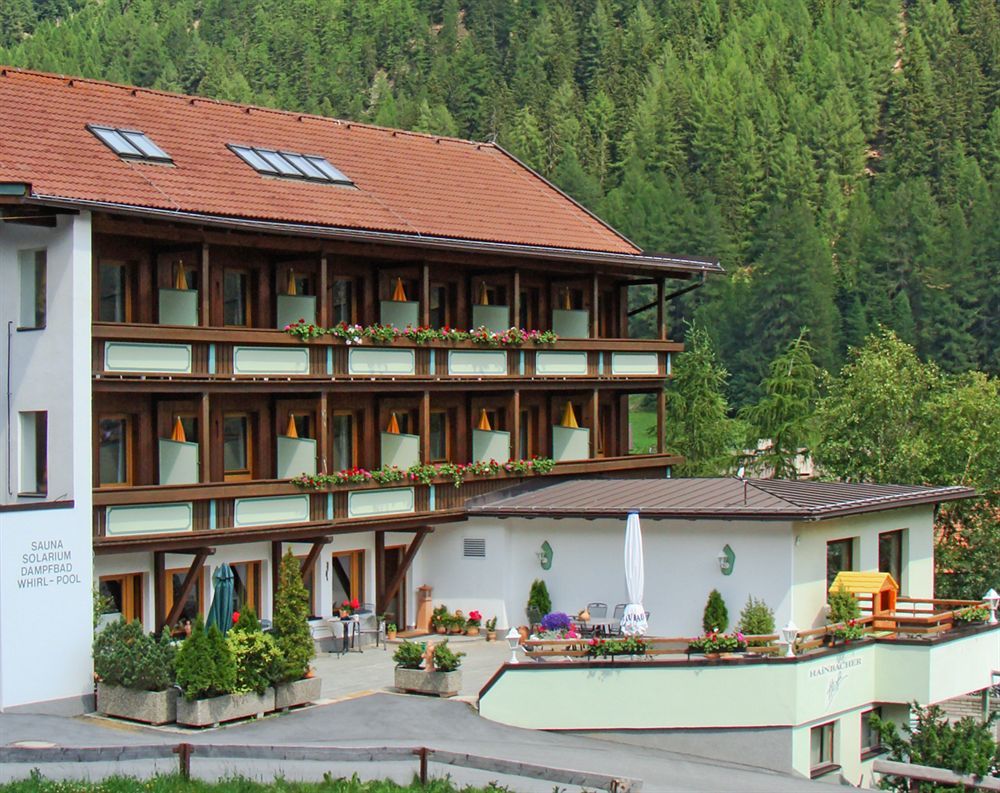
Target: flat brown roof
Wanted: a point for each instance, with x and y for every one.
(739, 499)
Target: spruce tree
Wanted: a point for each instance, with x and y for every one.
(291, 620)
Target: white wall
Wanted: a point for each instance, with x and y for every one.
(917, 524)
(681, 567)
(46, 615)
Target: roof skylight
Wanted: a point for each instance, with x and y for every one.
(289, 165)
(129, 144)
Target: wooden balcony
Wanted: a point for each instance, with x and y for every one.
(154, 356)
(164, 517)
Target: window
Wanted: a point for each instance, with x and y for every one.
(235, 307)
(129, 144)
(289, 165)
(34, 478)
(113, 453)
(113, 293)
(246, 585)
(890, 554)
(871, 743)
(236, 452)
(32, 276)
(839, 556)
(342, 301)
(439, 436)
(125, 592)
(821, 749)
(195, 602)
(348, 576)
(344, 445)
(438, 311)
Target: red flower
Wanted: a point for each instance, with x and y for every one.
(236, 617)
(355, 603)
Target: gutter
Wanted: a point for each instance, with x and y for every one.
(636, 260)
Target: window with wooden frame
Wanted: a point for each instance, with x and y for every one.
(821, 749)
(125, 592)
(192, 273)
(528, 311)
(607, 318)
(839, 557)
(114, 451)
(344, 446)
(246, 585)
(871, 741)
(348, 576)
(440, 436)
(405, 418)
(570, 297)
(236, 298)
(32, 266)
(529, 432)
(439, 305)
(890, 554)
(194, 605)
(34, 440)
(343, 306)
(496, 294)
(237, 446)
(301, 281)
(114, 292)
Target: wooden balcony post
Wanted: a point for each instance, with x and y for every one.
(516, 452)
(425, 294)
(595, 297)
(323, 429)
(661, 309)
(379, 572)
(205, 437)
(425, 427)
(595, 412)
(322, 293)
(661, 419)
(205, 318)
(515, 297)
(159, 590)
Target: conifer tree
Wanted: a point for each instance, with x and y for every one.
(291, 620)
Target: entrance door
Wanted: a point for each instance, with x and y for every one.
(348, 577)
(395, 608)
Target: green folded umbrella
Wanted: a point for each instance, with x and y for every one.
(221, 612)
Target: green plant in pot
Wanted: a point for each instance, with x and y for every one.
(440, 619)
(291, 621)
(259, 662)
(390, 630)
(135, 673)
(445, 659)
(539, 602)
(715, 618)
(756, 619)
(410, 655)
(205, 664)
(491, 629)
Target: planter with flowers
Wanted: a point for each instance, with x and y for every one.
(973, 615)
(348, 608)
(845, 633)
(714, 644)
(632, 646)
(421, 672)
(473, 622)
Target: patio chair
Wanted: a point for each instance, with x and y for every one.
(598, 611)
(616, 617)
(370, 624)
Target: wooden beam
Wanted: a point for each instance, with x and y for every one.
(595, 413)
(205, 437)
(275, 570)
(324, 432)
(595, 299)
(661, 312)
(379, 572)
(190, 580)
(515, 297)
(204, 288)
(425, 427)
(309, 563)
(661, 419)
(425, 294)
(322, 293)
(516, 452)
(159, 590)
(392, 587)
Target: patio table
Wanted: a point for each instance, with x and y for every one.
(600, 625)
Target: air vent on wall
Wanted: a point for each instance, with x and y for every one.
(474, 548)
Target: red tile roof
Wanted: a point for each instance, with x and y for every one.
(405, 182)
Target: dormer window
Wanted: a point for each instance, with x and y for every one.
(289, 165)
(129, 144)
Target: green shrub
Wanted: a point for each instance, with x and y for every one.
(756, 619)
(843, 606)
(410, 655)
(716, 616)
(125, 656)
(291, 621)
(248, 622)
(205, 665)
(538, 598)
(440, 616)
(445, 660)
(257, 658)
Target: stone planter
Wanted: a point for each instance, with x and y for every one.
(472, 630)
(228, 707)
(420, 681)
(149, 707)
(298, 692)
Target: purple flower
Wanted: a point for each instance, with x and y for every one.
(556, 621)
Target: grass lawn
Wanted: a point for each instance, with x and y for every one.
(175, 784)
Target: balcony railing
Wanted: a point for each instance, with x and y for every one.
(176, 353)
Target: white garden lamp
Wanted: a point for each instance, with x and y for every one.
(992, 601)
(513, 640)
(788, 636)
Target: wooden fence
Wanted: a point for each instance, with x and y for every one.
(938, 776)
(422, 755)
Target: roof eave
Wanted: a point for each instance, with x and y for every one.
(638, 262)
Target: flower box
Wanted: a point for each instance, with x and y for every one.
(297, 692)
(149, 707)
(420, 681)
(228, 707)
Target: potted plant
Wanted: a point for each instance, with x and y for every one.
(491, 629)
(441, 675)
(348, 607)
(440, 619)
(756, 619)
(846, 632)
(456, 623)
(206, 674)
(539, 602)
(473, 622)
(135, 674)
(973, 614)
(390, 631)
(715, 618)
(632, 646)
(714, 644)
(294, 638)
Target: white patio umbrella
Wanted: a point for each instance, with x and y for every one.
(634, 619)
